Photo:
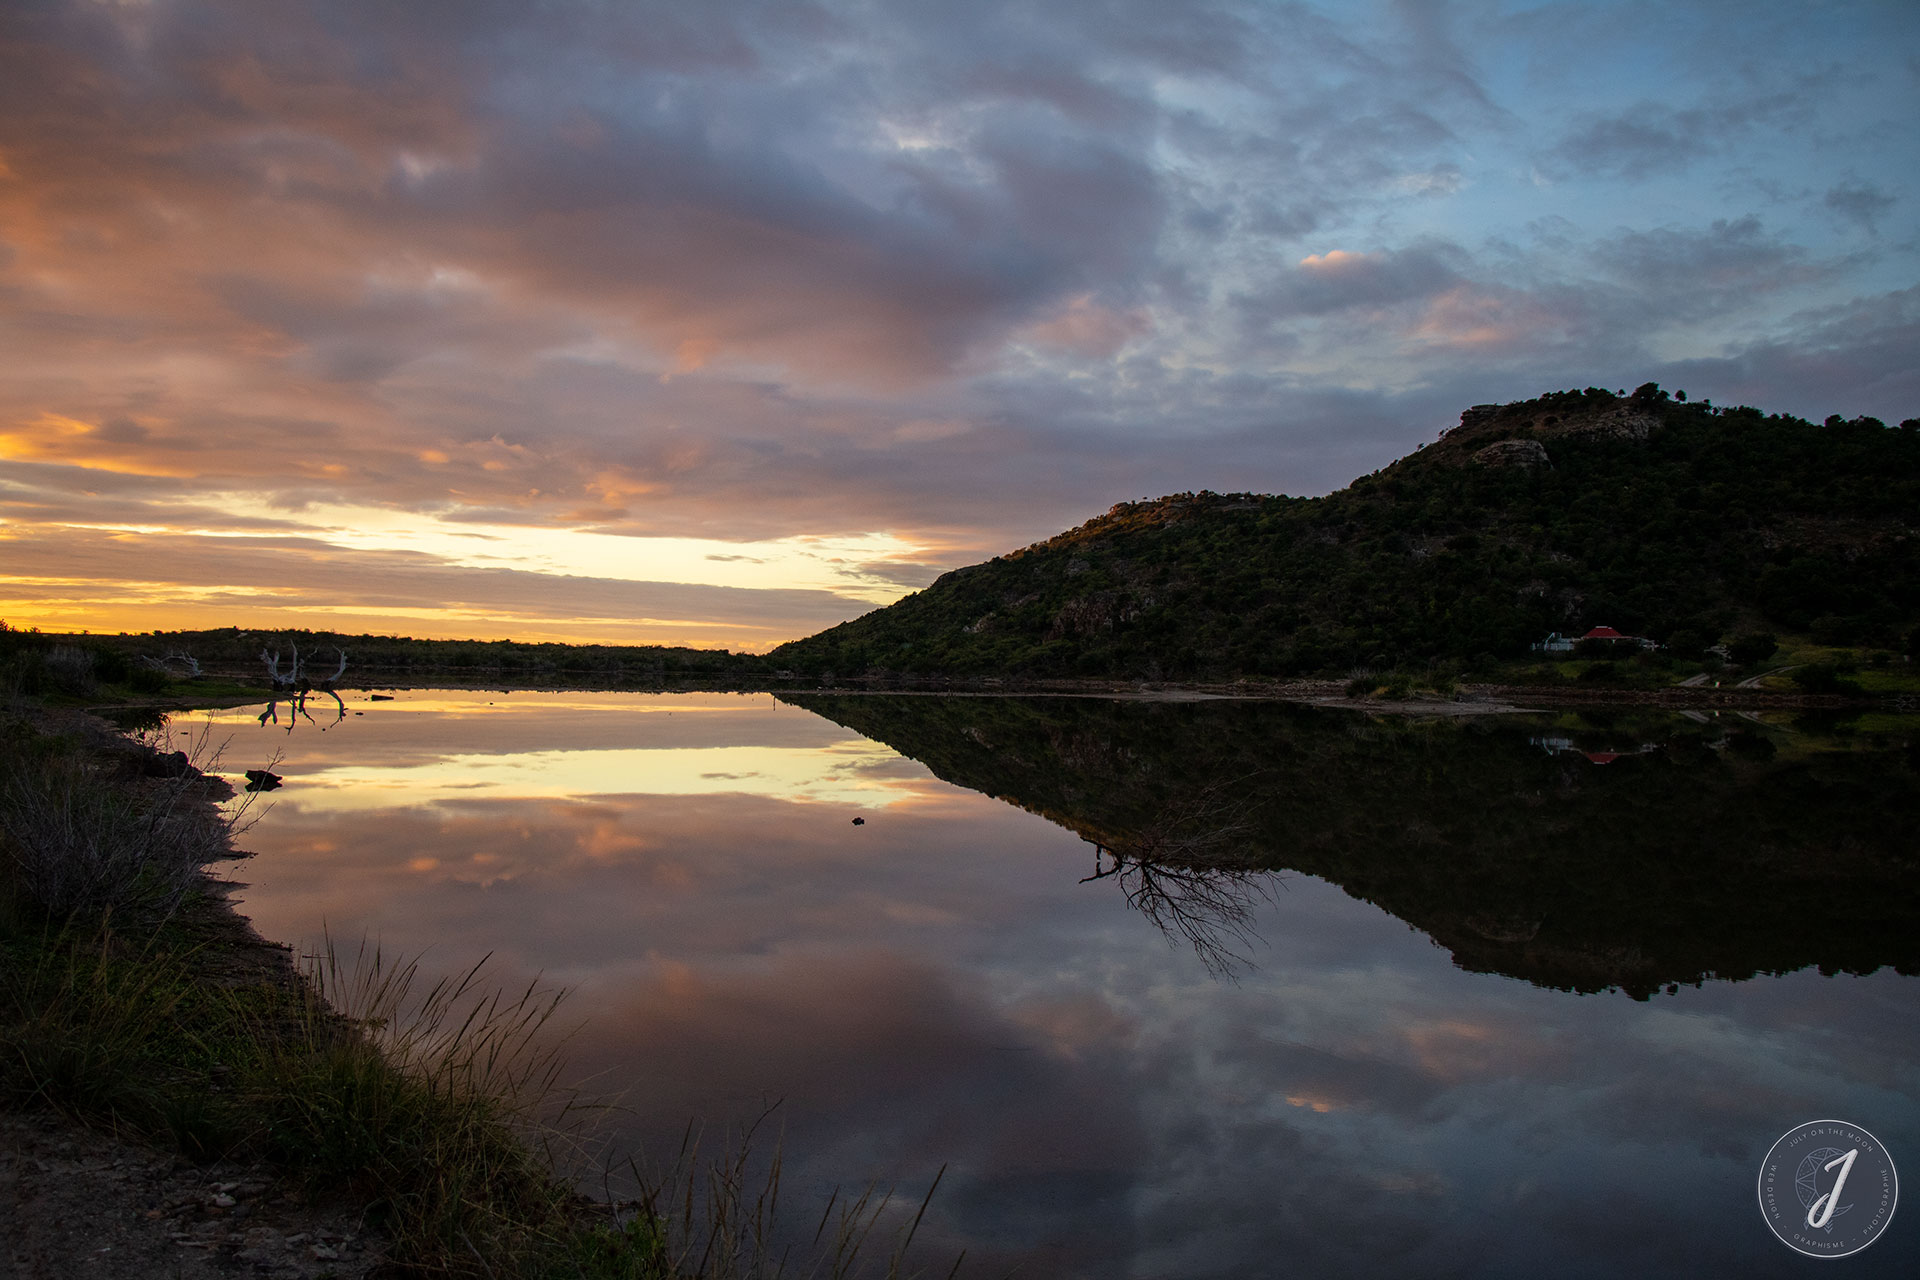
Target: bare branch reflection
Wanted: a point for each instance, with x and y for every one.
(1188, 875)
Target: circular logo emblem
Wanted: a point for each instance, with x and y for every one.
(1828, 1188)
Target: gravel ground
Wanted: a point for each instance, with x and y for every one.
(75, 1203)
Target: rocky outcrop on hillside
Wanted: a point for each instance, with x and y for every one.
(1513, 453)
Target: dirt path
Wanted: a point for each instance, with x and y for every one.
(76, 1204)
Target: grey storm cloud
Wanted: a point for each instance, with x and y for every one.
(1336, 282)
(1650, 137)
(1860, 203)
(1705, 271)
(1852, 359)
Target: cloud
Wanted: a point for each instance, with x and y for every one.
(1688, 272)
(1337, 280)
(1085, 328)
(1440, 180)
(1852, 359)
(1860, 203)
(1651, 137)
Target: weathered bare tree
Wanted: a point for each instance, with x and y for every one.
(298, 685)
(178, 662)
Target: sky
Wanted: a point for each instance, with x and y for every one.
(720, 323)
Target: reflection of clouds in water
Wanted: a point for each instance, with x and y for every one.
(1481, 1142)
(773, 771)
(434, 745)
(935, 987)
(424, 726)
(889, 1067)
(594, 881)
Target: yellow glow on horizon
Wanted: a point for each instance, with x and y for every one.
(163, 610)
(805, 561)
(822, 563)
(164, 598)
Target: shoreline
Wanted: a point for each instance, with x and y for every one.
(1470, 699)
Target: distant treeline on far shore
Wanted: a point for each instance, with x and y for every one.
(149, 661)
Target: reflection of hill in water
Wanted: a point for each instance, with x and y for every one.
(1707, 856)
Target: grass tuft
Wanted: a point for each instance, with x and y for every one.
(426, 1104)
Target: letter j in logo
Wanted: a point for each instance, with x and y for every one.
(1821, 1212)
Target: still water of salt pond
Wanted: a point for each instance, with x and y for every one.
(1216, 989)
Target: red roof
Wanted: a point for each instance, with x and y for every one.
(1604, 633)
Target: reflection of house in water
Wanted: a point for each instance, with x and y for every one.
(1553, 745)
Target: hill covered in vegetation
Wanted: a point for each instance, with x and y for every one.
(1684, 523)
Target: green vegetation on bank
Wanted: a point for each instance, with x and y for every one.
(1687, 524)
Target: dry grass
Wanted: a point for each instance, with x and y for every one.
(720, 1217)
(425, 1103)
(79, 841)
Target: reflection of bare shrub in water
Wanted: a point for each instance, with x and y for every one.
(1180, 873)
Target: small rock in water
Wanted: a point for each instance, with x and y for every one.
(859, 822)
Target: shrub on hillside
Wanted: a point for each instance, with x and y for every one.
(1749, 649)
(1824, 677)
